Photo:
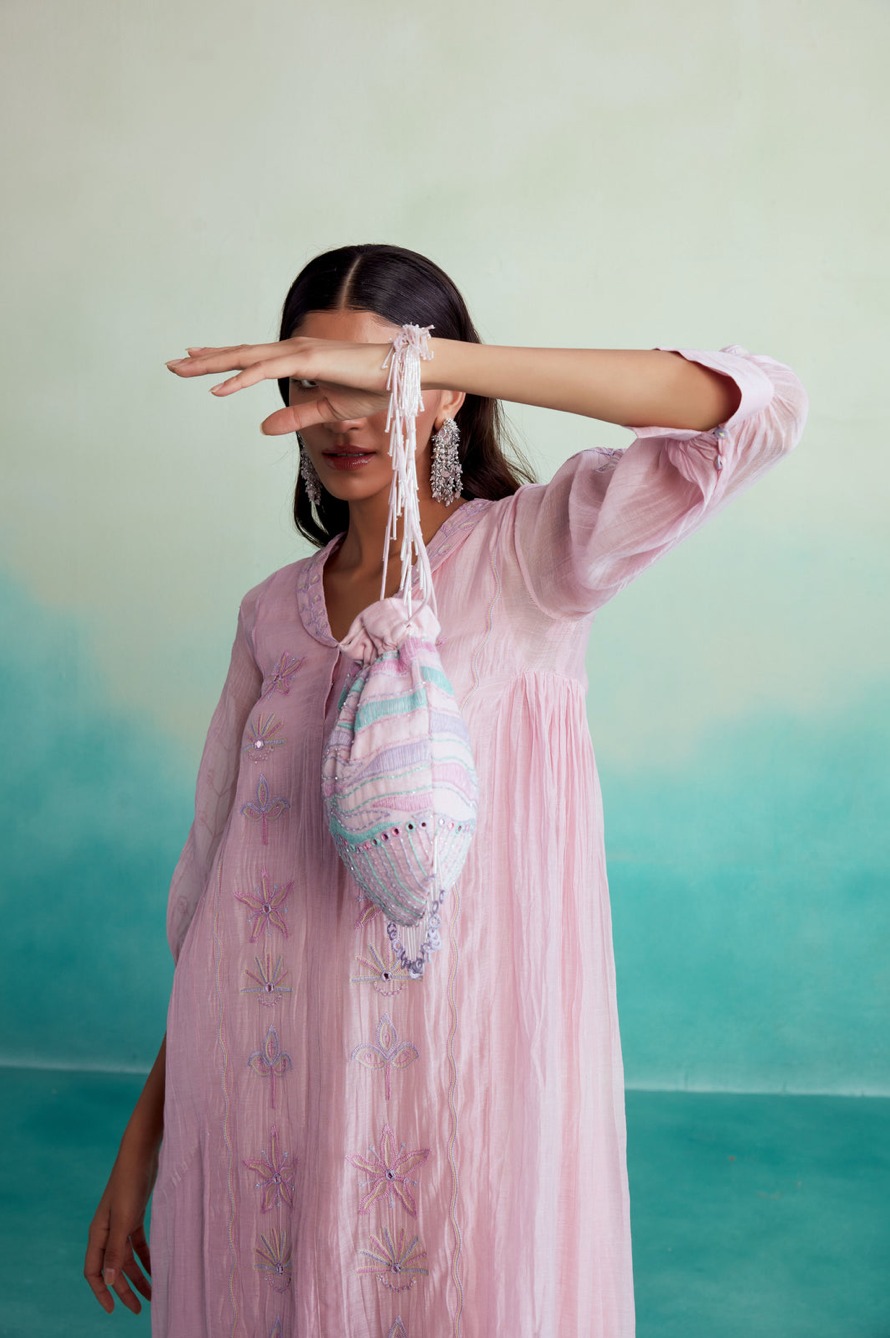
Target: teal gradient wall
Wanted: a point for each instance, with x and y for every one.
(690, 176)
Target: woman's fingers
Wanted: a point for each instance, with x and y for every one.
(355, 366)
(202, 361)
(122, 1286)
(338, 405)
(92, 1269)
(271, 368)
(140, 1245)
(292, 419)
(139, 1281)
(110, 1265)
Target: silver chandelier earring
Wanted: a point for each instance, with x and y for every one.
(445, 474)
(309, 474)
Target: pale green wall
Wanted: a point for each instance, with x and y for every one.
(696, 174)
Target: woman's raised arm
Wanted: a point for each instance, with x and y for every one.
(634, 387)
(630, 386)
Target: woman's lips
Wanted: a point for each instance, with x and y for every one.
(347, 459)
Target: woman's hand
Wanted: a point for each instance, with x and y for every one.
(117, 1233)
(344, 380)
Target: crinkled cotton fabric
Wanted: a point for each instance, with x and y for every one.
(351, 1153)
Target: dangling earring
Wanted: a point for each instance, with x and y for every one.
(309, 474)
(445, 474)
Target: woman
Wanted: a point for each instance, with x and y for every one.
(349, 1152)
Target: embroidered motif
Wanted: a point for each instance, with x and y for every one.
(266, 809)
(386, 978)
(368, 913)
(281, 676)
(613, 455)
(271, 1061)
(398, 1329)
(275, 1260)
(388, 1052)
(388, 1170)
(267, 984)
(276, 1331)
(276, 1171)
(399, 1260)
(309, 595)
(260, 742)
(268, 906)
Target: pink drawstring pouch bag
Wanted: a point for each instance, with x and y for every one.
(398, 779)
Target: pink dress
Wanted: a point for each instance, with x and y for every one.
(349, 1153)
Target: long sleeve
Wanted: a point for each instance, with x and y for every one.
(215, 788)
(606, 516)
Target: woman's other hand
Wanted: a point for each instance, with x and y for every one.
(117, 1234)
(331, 381)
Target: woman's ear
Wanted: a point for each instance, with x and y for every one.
(451, 402)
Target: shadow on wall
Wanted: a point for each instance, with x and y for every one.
(748, 888)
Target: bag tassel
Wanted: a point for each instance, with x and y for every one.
(406, 402)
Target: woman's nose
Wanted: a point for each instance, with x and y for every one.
(343, 424)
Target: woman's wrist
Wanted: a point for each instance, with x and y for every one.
(451, 361)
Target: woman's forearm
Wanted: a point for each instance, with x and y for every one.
(145, 1129)
(634, 387)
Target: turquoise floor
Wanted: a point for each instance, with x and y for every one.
(751, 1215)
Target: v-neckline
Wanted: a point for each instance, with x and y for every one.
(310, 587)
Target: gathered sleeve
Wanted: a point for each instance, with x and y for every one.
(217, 778)
(607, 515)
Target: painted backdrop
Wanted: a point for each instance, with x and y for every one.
(606, 176)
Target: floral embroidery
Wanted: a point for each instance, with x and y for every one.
(266, 809)
(398, 1329)
(280, 678)
(388, 1052)
(276, 1175)
(388, 979)
(275, 1260)
(268, 906)
(368, 913)
(267, 985)
(388, 1170)
(271, 1061)
(310, 595)
(276, 1331)
(398, 1259)
(260, 741)
(613, 455)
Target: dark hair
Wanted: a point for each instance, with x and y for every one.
(401, 286)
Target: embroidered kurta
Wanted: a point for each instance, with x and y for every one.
(350, 1153)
